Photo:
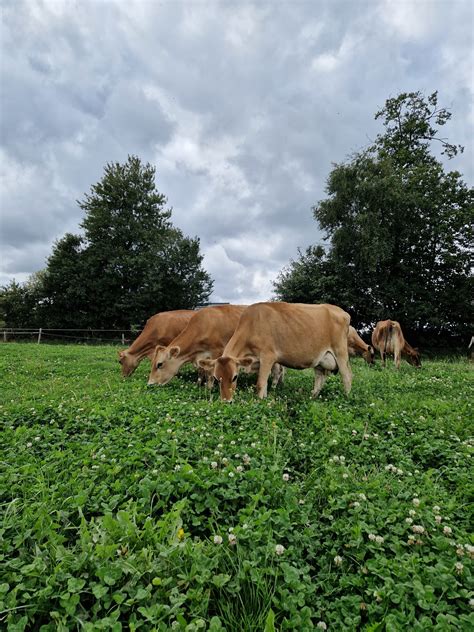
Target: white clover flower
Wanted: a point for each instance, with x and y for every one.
(379, 539)
(205, 459)
(154, 472)
(232, 539)
(334, 441)
(217, 539)
(399, 472)
(469, 548)
(412, 512)
(417, 528)
(245, 526)
(301, 501)
(230, 529)
(409, 520)
(193, 429)
(236, 456)
(231, 474)
(29, 444)
(168, 430)
(438, 519)
(416, 502)
(460, 551)
(338, 560)
(279, 549)
(335, 459)
(208, 434)
(286, 477)
(219, 445)
(221, 437)
(345, 475)
(322, 626)
(356, 504)
(436, 509)
(37, 438)
(213, 464)
(459, 566)
(354, 432)
(216, 452)
(371, 537)
(225, 460)
(246, 459)
(376, 435)
(331, 460)
(471, 603)
(177, 468)
(253, 444)
(362, 496)
(232, 442)
(366, 435)
(447, 530)
(342, 459)
(239, 468)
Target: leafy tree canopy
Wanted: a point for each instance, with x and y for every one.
(399, 227)
(130, 262)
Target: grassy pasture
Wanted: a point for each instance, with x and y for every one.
(129, 508)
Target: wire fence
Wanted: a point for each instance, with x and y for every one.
(91, 336)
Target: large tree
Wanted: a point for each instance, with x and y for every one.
(129, 263)
(400, 229)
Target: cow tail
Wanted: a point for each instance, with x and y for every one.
(388, 335)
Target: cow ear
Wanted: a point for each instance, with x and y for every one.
(246, 362)
(174, 352)
(121, 354)
(206, 364)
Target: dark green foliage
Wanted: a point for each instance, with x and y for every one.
(130, 263)
(400, 230)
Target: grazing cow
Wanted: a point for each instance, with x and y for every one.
(387, 337)
(160, 329)
(294, 335)
(205, 337)
(357, 347)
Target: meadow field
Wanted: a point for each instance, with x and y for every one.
(132, 508)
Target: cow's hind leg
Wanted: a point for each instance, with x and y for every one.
(342, 359)
(320, 376)
(278, 373)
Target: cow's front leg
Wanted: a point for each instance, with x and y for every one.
(263, 374)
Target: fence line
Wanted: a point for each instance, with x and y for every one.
(126, 335)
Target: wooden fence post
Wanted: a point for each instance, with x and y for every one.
(39, 334)
(123, 338)
(4, 335)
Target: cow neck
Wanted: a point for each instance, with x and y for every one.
(141, 348)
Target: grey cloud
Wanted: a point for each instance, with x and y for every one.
(243, 108)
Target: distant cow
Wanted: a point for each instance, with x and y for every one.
(357, 347)
(387, 337)
(204, 337)
(294, 335)
(160, 329)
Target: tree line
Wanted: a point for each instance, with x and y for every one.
(398, 229)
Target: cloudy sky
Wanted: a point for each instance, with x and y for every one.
(242, 107)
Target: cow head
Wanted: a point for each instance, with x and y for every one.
(128, 362)
(226, 370)
(164, 365)
(369, 355)
(414, 358)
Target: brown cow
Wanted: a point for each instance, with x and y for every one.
(160, 329)
(357, 347)
(205, 337)
(294, 335)
(387, 337)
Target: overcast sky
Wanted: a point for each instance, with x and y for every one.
(242, 108)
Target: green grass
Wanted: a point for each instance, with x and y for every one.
(112, 494)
